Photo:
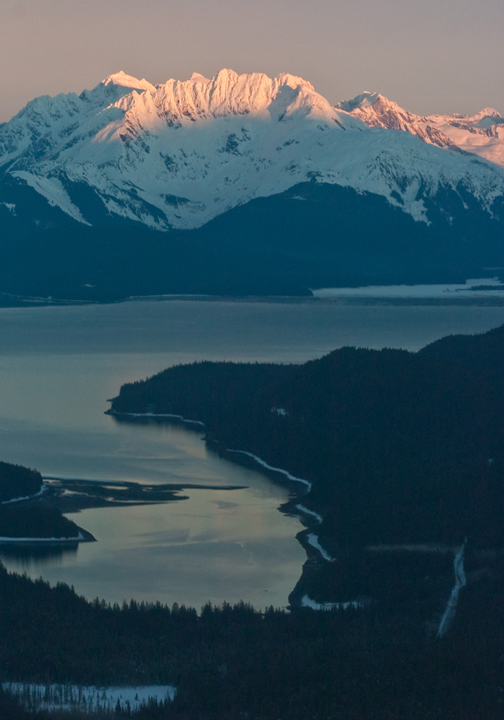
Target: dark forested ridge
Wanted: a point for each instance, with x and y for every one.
(232, 662)
(310, 236)
(400, 447)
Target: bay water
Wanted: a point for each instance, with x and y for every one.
(58, 366)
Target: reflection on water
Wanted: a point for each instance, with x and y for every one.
(219, 544)
(58, 365)
(216, 546)
(30, 556)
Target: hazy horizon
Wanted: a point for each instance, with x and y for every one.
(444, 56)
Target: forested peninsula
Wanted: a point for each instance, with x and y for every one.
(22, 516)
(399, 447)
(403, 451)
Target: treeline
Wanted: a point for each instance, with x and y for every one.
(17, 481)
(231, 661)
(399, 446)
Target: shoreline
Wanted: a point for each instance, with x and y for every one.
(307, 539)
(372, 294)
(83, 536)
(170, 417)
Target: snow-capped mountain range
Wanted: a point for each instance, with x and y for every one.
(177, 155)
(481, 134)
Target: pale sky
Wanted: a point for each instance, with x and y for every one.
(443, 56)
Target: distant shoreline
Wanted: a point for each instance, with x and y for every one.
(483, 291)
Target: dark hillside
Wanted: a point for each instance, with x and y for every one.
(232, 662)
(313, 235)
(481, 353)
(17, 481)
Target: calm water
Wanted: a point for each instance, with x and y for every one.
(59, 365)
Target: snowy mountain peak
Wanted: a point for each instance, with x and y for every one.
(180, 153)
(229, 94)
(488, 112)
(364, 100)
(199, 78)
(481, 134)
(377, 110)
(128, 81)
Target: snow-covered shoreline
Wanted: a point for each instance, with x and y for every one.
(307, 511)
(264, 464)
(312, 539)
(472, 288)
(80, 538)
(148, 415)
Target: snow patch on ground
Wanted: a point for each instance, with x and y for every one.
(281, 412)
(88, 699)
(54, 192)
(27, 497)
(460, 582)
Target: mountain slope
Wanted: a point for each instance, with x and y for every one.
(171, 156)
(312, 235)
(181, 153)
(237, 184)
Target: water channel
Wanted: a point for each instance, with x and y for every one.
(58, 366)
